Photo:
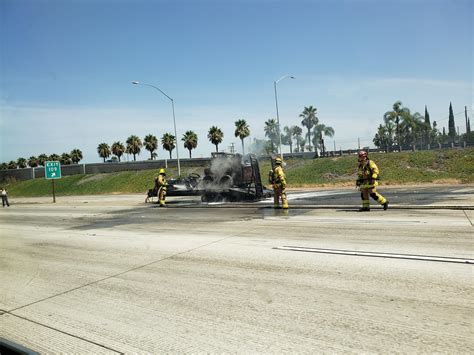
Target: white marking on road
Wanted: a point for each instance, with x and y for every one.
(379, 254)
(304, 195)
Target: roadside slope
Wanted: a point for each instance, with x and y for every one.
(436, 166)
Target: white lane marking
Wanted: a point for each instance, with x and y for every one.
(379, 254)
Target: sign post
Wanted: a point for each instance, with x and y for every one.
(52, 171)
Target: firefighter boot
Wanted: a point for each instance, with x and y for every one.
(284, 201)
(380, 199)
(365, 206)
(276, 198)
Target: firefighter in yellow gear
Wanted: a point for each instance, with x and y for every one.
(277, 178)
(161, 182)
(367, 181)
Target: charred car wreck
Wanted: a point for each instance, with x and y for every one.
(229, 177)
(232, 177)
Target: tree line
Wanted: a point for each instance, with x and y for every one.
(73, 157)
(133, 145)
(292, 136)
(403, 129)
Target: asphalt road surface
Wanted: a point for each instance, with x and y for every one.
(111, 274)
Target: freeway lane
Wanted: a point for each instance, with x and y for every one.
(414, 196)
(109, 274)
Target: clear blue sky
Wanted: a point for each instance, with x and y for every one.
(66, 68)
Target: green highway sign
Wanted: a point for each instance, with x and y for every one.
(52, 170)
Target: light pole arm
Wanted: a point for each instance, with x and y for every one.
(284, 77)
(174, 120)
(153, 86)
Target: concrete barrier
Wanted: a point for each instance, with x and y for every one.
(98, 168)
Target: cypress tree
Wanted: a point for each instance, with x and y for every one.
(451, 126)
(427, 127)
(427, 117)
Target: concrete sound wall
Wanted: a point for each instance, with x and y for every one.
(97, 168)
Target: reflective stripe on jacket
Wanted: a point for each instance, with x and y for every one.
(279, 176)
(368, 172)
(161, 180)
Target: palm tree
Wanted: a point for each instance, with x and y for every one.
(3, 166)
(42, 158)
(118, 149)
(33, 162)
(271, 131)
(296, 132)
(384, 137)
(394, 116)
(134, 145)
(287, 137)
(65, 159)
(310, 120)
(104, 150)
(127, 151)
(242, 130)
(12, 165)
(413, 127)
(21, 162)
(390, 129)
(151, 144)
(190, 140)
(54, 157)
(168, 141)
(302, 144)
(319, 130)
(215, 136)
(76, 155)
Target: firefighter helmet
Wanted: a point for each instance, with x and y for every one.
(362, 155)
(162, 171)
(278, 161)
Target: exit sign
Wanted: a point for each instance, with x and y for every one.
(52, 170)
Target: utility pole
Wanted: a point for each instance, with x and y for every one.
(358, 142)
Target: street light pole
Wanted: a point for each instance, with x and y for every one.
(278, 115)
(174, 120)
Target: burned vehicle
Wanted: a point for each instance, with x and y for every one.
(232, 177)
(229, 177)
(177, 187)
(184, 186)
